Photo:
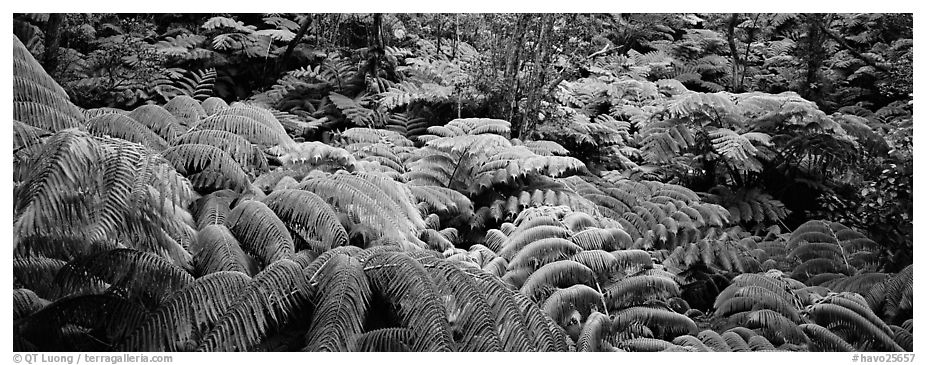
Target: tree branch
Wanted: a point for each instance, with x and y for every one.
(851, 49)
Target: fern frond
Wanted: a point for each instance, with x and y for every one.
(394, 339)
(143, 277)
(26, 302)
(664, 323)
(213, 105)
(404, 282)
(559, 274)
(186, 109)
(309, 216)
(260, 231)
(215, 250)
(108, 317)
(158, 120)
(121, 126)
(344, 299)
(37, 274)
(561, 303)
(596, 327)
(181, 321)
(635, 290)
(466, 307)
(263, 304)
(828, 315)
(207, 166)
(822, 339)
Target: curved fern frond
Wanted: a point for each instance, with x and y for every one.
(121, 126)
(343, 295)
(664, 323)
(822, 339)
(143, 277)
(159, 120)
(239, 149)
(562, 302)
(466, 307)
(260, 231)
(828, 315)
(187, 110)
(309, 216)
(207, 166)
(263, 304)
(215, 250)
(181, 321)
(596, 327)
(404, 282)
(559, 274)
(107, 319)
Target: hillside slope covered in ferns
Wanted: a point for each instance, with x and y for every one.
(400, 196)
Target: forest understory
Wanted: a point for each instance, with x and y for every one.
(462, 182)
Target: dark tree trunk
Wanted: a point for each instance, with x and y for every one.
(52, 39)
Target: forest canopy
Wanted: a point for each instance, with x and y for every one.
(463, 182)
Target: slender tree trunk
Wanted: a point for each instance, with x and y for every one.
(815, 55)
(731, 40)
(512, 64)
(535, 85)
(303, 28)
(52, 39)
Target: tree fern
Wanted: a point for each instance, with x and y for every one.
(207, 167)
(37, 274)
(38, 100)
(343, 297)
(260, 231)
(105, 320)
(158, 120)
(466, 307)
(264, 303)
(835, 315)
(664, 323)
(309, 216)
(142, 277)
(180, 323)
(405, 283)
(104, 189)
(121, 126)
(216, 249)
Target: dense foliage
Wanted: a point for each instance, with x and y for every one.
(462, 182)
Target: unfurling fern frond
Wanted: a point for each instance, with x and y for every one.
(262, 305)
(260, 231)
(309, 216)
(178, 325)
